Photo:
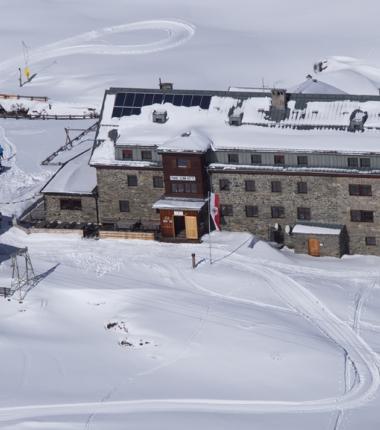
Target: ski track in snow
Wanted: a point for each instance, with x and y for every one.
(300, 300)
(177, 33)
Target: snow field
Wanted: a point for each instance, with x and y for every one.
(197, 328)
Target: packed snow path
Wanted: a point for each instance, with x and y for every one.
(303, 302)
(177, 33)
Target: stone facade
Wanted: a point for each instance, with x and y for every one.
(330, 245)
(55, 213)
(327, 197)
(113, 188)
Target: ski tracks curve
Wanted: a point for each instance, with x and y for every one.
(301, 301)
(177, 33)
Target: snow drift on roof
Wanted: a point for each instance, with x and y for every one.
(75, 177)
(188, 141)
(312, 86)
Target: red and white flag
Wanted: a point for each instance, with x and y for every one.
(215, 210)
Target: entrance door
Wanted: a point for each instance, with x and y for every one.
(314, 247)
(179, 225)
(191, 224)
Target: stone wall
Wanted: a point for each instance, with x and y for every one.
(55, 213)
(330, 245)
(328, 198)
(113, 187)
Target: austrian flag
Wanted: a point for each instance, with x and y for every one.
(215, 210)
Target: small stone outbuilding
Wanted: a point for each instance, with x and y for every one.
(318, 240)
(70, 196)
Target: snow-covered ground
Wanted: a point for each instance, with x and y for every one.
(255, 339)
(259, 339)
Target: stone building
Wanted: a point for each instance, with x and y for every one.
(288, 160)
(71, 195)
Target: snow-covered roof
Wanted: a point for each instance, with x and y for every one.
(314, 229)
(300, 131)
(188, 141)
(181, 204)
(75, 177)
(313, 86)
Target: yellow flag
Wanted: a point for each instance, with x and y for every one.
(27, 72)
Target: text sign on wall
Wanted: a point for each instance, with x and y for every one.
(178, 213)
(183, 178)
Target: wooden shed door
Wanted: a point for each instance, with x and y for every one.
(191, 226)
(314, 247)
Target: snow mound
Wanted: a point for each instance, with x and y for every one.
(351, 75)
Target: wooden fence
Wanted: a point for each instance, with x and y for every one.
(103, 234)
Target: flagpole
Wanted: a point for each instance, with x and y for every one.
(209, 224)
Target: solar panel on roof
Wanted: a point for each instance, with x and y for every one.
(186, 101)
(127, 104)
(119, 99)
(128, 100)
(205, 103)
(148, 100)
(177, 101)
(157, 98)
(139, 99)
(196, 101)
(168, 98)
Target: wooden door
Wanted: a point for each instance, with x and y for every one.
(167, 223)
(314, 247)
(191, 225)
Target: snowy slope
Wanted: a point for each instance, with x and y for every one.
(256, 339)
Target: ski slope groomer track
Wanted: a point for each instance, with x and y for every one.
(299, 299)
(177, 33)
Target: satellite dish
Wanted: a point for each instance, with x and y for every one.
(288, 229)
(113, 135)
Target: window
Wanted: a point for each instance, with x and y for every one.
(233, 158)
(256, 158)
(370, 241)
(183, 163)
(127, 154)
(361, 216)
(71, 204)
(224, 184)
(278, 212)
(251, 211)
(302, 187)
(302, 160)
(279, 159)
(132, 181)
(158, 182)
(146, 155)
(226, 210)
(352, 162)
(250, 185)
(365, 163)
(360, 190)
(184, 187)
(304, 214)
(124, 205)
(276, 187)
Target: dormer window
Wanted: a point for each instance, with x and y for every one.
(127, 154)
(233, 158)
(146, 155)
